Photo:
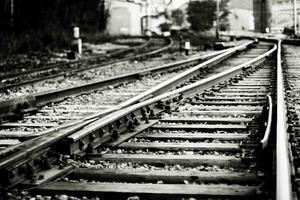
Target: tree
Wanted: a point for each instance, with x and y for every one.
(224, 12)
(165, 27)
(201, 14)
(177, 17)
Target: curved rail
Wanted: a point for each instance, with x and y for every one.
(283, 171)
(198, 86)
(43, 98)
(264, 142)
(84, 131)
(8, 108)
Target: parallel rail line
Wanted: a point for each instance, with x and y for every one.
(83, 138)
(87, 63)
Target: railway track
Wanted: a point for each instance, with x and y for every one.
(59, 70)
(88, 76)
(206, 145)
(103, 101)
(194, 141)
(291, 74)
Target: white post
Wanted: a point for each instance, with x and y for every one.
(187, 47)
(77, 42)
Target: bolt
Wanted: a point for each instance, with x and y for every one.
(110, 128)
(148, 109)
(90, 148)
(126, 119)
(45, 162)
(101, 133)
(115, 135)
(29, 171)
(118, 123)
(92, 137)
(152, 113)
(144, 116)
(160, 105)
(143, 111)
(132, 115)
(136, 121)
(130, 126)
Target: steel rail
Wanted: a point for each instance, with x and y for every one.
(264, 142)
(68, 72)
(262, 37)
(56, 65)
(103, 123)
(31, 102)
(36, 99)
(163, 87)
(22, 154)
(46, 97)
(283, 170)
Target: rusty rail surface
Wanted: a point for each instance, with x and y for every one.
(283, 167)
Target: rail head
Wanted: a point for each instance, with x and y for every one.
(283, 167)
(264, 142)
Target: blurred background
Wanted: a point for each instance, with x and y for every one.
(33, 25)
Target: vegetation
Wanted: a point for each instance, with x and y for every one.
(45, 24)
(202, 14)
(177, 17)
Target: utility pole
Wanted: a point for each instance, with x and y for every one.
(295, 16)
(147, 13)
(217, 22)
(12, 13)
(102, 24)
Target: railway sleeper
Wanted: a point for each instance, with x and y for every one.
(169, 177)
(151, 191)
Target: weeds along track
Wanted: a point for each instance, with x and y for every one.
(207, 139)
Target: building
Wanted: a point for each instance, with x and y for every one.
(241, 15)
(124, 17)
(284, 14)
(133, 17)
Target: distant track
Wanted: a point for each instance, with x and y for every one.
(55, 71)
